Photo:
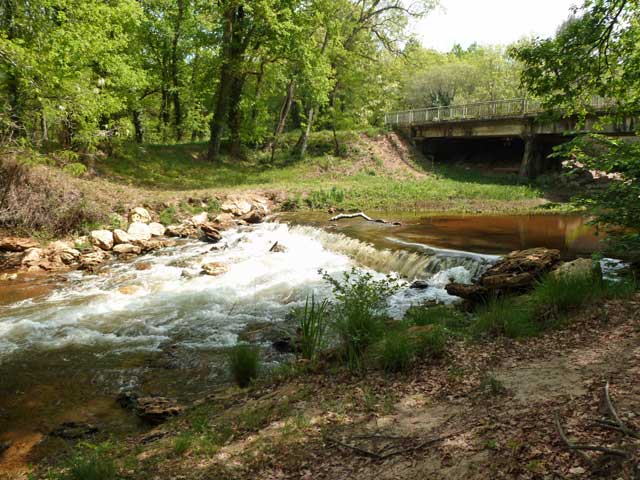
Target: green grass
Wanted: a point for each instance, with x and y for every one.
(395, 352)
(317, 182)
(312, 326)
(446, 316)
(90, 465)
(244, 362)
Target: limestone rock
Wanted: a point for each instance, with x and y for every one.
(157, 229)
(200, 218)
(214, 269)
(210, 233)
(62, 252)
(127, 249)
(89, 261)
(255, 216)
(16, 244)
(184, 230)
(154, 244)
(224, 221)
(139, 231)
(102, 239)
(120, 236)
(139, 215)
(8, 277)
(236, 206)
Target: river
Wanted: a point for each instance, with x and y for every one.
(70, 343)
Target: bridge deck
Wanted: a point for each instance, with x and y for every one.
(511, 108)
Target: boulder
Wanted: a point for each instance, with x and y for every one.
(16, 244)
(214, 269)
(8, 277)
(120, 236)
(184, 230)
(153, 410)
(255, 216)
(143, 266)
(90, 261)
(236, 206)
(224, 221)
(62, 253)
(210, 232)
(127, 249)
(154, 244)
(139, 231)
(157, 229)
(139, 215)
(420, 285)
(102, 239)
(581, 266)
(200, 218)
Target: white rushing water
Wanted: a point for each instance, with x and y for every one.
(172, 302)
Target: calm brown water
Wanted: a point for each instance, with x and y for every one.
(495, 235)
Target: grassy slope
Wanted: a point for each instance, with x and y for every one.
(365, 177)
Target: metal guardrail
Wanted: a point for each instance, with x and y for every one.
(516, 107)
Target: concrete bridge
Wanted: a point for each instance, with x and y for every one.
(509, 128)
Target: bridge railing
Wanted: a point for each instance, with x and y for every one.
(471, 111)
(515, 107)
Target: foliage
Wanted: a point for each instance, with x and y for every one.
(443, 315)
(595, 53)
(431, 342)
(359, 311)
(312, 325)
(510, 317)
(244, 362)
(169, 216)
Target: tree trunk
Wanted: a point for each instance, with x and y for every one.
(282, 119)
(175, 92)
(137, 125)
(301, 147)
(235, 117)
(235, 41)
(44, 127)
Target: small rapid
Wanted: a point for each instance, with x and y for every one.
(162, 298)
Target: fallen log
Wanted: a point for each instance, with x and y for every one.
(362, 215)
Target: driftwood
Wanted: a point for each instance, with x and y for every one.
(362, 215)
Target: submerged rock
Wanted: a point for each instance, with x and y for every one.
(102, 239)
(153, 410)
(73, 430)
(214, 269)
(580, 266)
(16, 244)
(420, 285)
(139, 215)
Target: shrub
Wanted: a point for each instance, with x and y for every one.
(312, 323)
(94, 465)
(244, 361)
(395, 352)
(169, 216)
(40, 199)
(557, 294)
(359, 312)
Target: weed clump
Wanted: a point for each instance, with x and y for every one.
(244, 361)
(395, 352)
(92, 465)
(312, 325)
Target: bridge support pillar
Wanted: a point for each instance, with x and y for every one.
(531, 164)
